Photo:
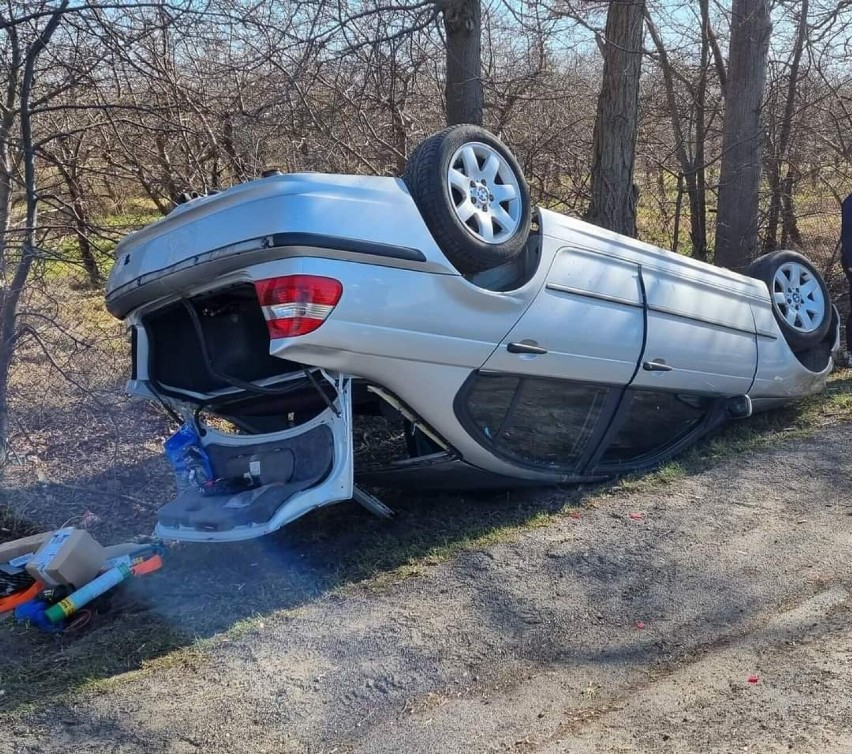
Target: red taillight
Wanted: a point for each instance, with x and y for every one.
(297, 304)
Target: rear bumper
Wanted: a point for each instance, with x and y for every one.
(290, 215)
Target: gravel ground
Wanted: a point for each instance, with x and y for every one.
(711, 614)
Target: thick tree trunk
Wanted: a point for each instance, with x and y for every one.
(779, 154)
(613, 202)
(463, 27)
(739, 179)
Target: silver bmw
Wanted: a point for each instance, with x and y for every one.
(505, 344)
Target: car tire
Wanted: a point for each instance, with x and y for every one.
(472, 196)
(800, 300)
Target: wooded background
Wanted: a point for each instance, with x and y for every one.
(717, 128)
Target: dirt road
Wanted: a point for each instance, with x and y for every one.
(710, 615)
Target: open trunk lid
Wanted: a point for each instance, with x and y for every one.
(274, 437)
(261, 481)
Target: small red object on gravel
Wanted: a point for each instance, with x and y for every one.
(640, 625)
(575, 514)
(752, 679)
(634, 516)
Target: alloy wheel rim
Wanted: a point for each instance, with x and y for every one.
(485, 192)
(798, 297)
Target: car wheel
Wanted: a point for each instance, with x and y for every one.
(800, 299)
(472, 195)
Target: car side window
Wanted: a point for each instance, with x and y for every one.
(488, 403)
(537, 422)
(654, 421)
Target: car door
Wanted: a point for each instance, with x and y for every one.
(700, 333)
(586, 323)
(546, 395)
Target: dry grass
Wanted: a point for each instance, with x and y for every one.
(85, 454)
(78, 445)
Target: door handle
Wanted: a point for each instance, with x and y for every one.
(525, 347)
(657, 365)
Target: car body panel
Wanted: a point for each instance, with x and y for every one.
(597, 310)
(588, 317)
(304, 213)
(780, 375)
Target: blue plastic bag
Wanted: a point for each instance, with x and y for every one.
(188, 458)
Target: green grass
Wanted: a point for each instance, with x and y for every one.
(110, 229)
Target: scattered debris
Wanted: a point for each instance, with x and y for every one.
(47, 579)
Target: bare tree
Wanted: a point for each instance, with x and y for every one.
(690, 128)
(463, 27)
(613, 202)
(739, 179)
(18, 251)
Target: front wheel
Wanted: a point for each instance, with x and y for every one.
(800, 299)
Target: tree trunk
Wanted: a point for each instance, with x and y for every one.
(739, 179)
(613, 203)
(790, 235)
(235, 161)
(778, 155)
(82, 224)
(678, 210)
(84, 246)
(770, 240)
(693, 169)
(399, 137)
(463, 27)
(12, 289)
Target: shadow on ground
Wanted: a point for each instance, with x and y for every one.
(206, 589)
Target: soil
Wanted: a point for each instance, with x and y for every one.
(711, 614)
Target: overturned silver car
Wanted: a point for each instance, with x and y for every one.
(510, 345)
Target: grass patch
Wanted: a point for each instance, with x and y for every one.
(12, 526)
(107, 231)
(210, 595)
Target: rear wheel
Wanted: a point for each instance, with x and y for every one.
(472, 195)
(800, 299)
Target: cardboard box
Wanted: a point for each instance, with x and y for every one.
(17, 547)
(71, 556)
